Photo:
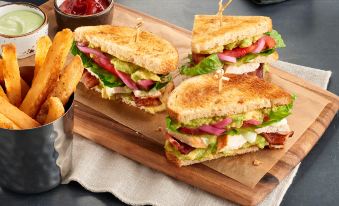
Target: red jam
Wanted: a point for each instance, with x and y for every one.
(83, 7)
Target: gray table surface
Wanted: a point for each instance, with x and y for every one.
(311, 30)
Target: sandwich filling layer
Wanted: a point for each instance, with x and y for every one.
(233, 55)
(114, 78)
(206, 137)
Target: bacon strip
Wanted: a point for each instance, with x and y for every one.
(180, 146)
(147, 102)
(89, 80)
(258, 72)
(276, 138)
(198, 57)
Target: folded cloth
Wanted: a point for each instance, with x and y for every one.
(100, 170)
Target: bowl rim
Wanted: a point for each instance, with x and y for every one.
(58, 10)
(30, 5)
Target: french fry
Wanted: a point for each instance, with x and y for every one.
(65, 86)
(3, 94)
(6, 123)
(48, 74)
(42, 47)
(2, 65)
(11, 74)
(55, 109)
(24, 85)
(16, 115)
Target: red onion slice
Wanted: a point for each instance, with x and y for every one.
(192, 131)
(126, 78)
(145, 84)
(223, 123)
(227, 58)
(260, 47)
(88, 50)
(211, 130)
(252, 122)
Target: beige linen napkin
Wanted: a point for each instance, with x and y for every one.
(100, 170)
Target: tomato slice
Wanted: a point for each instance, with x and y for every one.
(239, 52)
(104, 63)
(269, 42)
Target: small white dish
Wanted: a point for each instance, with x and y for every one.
(25, 43)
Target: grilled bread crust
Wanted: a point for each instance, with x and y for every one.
(199, 97)
(172, 158)
(208, 34)
(150, 52)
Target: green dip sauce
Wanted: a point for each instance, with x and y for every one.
(20, 22)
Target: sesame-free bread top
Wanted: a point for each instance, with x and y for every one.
(208, 34)
(199, 97)
(150, 51)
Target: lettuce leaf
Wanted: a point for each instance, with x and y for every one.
(107, 79)
(207, 65)
(279, 113)
(163, 82)
(277, 37)
(172, 125)
(250, 56)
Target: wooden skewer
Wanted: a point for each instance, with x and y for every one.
(220, 75)
(221, 9)
(137, 27)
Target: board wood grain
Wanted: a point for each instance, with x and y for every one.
(111, 134)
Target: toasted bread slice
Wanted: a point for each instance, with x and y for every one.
(150, 52)
(208, 34)
(172, 158)
(199, 97)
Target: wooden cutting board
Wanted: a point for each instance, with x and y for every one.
(111, 134)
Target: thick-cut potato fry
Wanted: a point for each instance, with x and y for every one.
(65, 86)
(16, 115)
(6, 123)
(48, 75)
(24, 85)
(42, 47)
(11, 74)
(55, 109)
(2, 65)
(3, 94)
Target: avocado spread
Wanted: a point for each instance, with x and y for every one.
(237, 119)
(242, 43)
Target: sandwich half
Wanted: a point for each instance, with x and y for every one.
(241, 44)
(248, 114)
(118, 66)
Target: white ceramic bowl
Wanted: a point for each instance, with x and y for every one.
(25, 43)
